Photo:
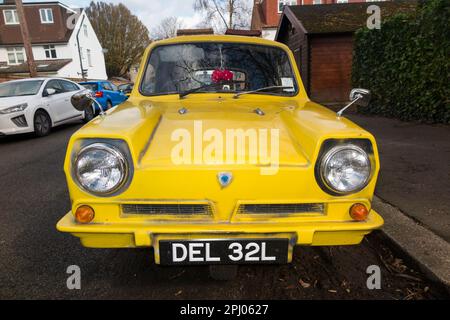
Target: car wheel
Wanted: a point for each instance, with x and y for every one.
(42, 123)
(223, 272)
(88, 115)
(108, 105)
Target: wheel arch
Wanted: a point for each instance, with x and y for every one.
(44, 110)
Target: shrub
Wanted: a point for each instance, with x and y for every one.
(406, 64)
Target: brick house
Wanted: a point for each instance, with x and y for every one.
(267, 13)
(63, 41)
(321, 38)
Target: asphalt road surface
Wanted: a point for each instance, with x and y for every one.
(415, 169)
(34, 257)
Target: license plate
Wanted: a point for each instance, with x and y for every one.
(240, 251)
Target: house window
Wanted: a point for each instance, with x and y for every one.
(282, 3)
(16, 55)
(50, 52)
(85, 28)
(89, 58)
(11, 16)
(343, 1)
(317, 1)
(46, 15)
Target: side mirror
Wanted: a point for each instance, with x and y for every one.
(82, 100)
(361, 97)
(358, 96)
(49, 92)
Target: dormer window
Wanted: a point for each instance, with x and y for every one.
(46, 15)
(11, 16)
(282, 3)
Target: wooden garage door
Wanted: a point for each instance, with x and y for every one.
(330, 67)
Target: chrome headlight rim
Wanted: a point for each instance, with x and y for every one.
(123, 163)
(328, 155)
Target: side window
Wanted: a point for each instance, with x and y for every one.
(68, 86)
(107, 86)
(114, 87)
(54, 84)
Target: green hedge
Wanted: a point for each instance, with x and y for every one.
(406, 64)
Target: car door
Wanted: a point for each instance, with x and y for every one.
(115, 95)
(109, 93)
(69, 89)
(55, 103)
(119, 96)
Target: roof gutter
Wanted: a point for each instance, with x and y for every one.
(78, 44)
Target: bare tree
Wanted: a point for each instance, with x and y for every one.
(167, 28)
(121, 33)
(225, 14)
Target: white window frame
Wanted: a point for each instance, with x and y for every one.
(317, 1)
(14, 16)
(344, 1)
(85, 29)
(285, 3)
(89, 57)
(44, 12)
(50, 48)
(15, 51)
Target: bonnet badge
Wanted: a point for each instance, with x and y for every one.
(224, 178)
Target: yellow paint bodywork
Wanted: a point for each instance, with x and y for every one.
(145, 124)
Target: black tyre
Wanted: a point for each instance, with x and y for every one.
(88, 115)
(42, 123)
(222, 272)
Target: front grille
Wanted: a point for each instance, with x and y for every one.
(282, 208)
(20, 121)
(177, 209)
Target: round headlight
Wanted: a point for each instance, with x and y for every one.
(100, 168)
(345, 169)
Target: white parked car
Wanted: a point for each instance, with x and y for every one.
(38, 104)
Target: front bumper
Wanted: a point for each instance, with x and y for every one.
(134, 234)
(7, 126)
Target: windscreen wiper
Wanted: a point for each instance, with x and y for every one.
(237, 95)
(206, 86)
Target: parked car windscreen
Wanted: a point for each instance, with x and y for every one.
(20, 88)
(243, 67)
(90, 86)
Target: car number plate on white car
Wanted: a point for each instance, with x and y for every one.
(240, 251)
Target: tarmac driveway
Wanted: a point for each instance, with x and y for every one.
(415, 169)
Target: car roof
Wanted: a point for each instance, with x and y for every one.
(37, 79)
(220, 38)
(95, 82)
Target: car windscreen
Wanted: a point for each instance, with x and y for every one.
(90, 86)
(20, 88)
(239, 66)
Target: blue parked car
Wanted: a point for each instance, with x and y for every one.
(106, 93)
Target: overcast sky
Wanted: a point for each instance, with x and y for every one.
(151, 12)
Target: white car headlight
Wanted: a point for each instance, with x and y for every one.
(17, 108)
(345, 169)
(100, 168)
